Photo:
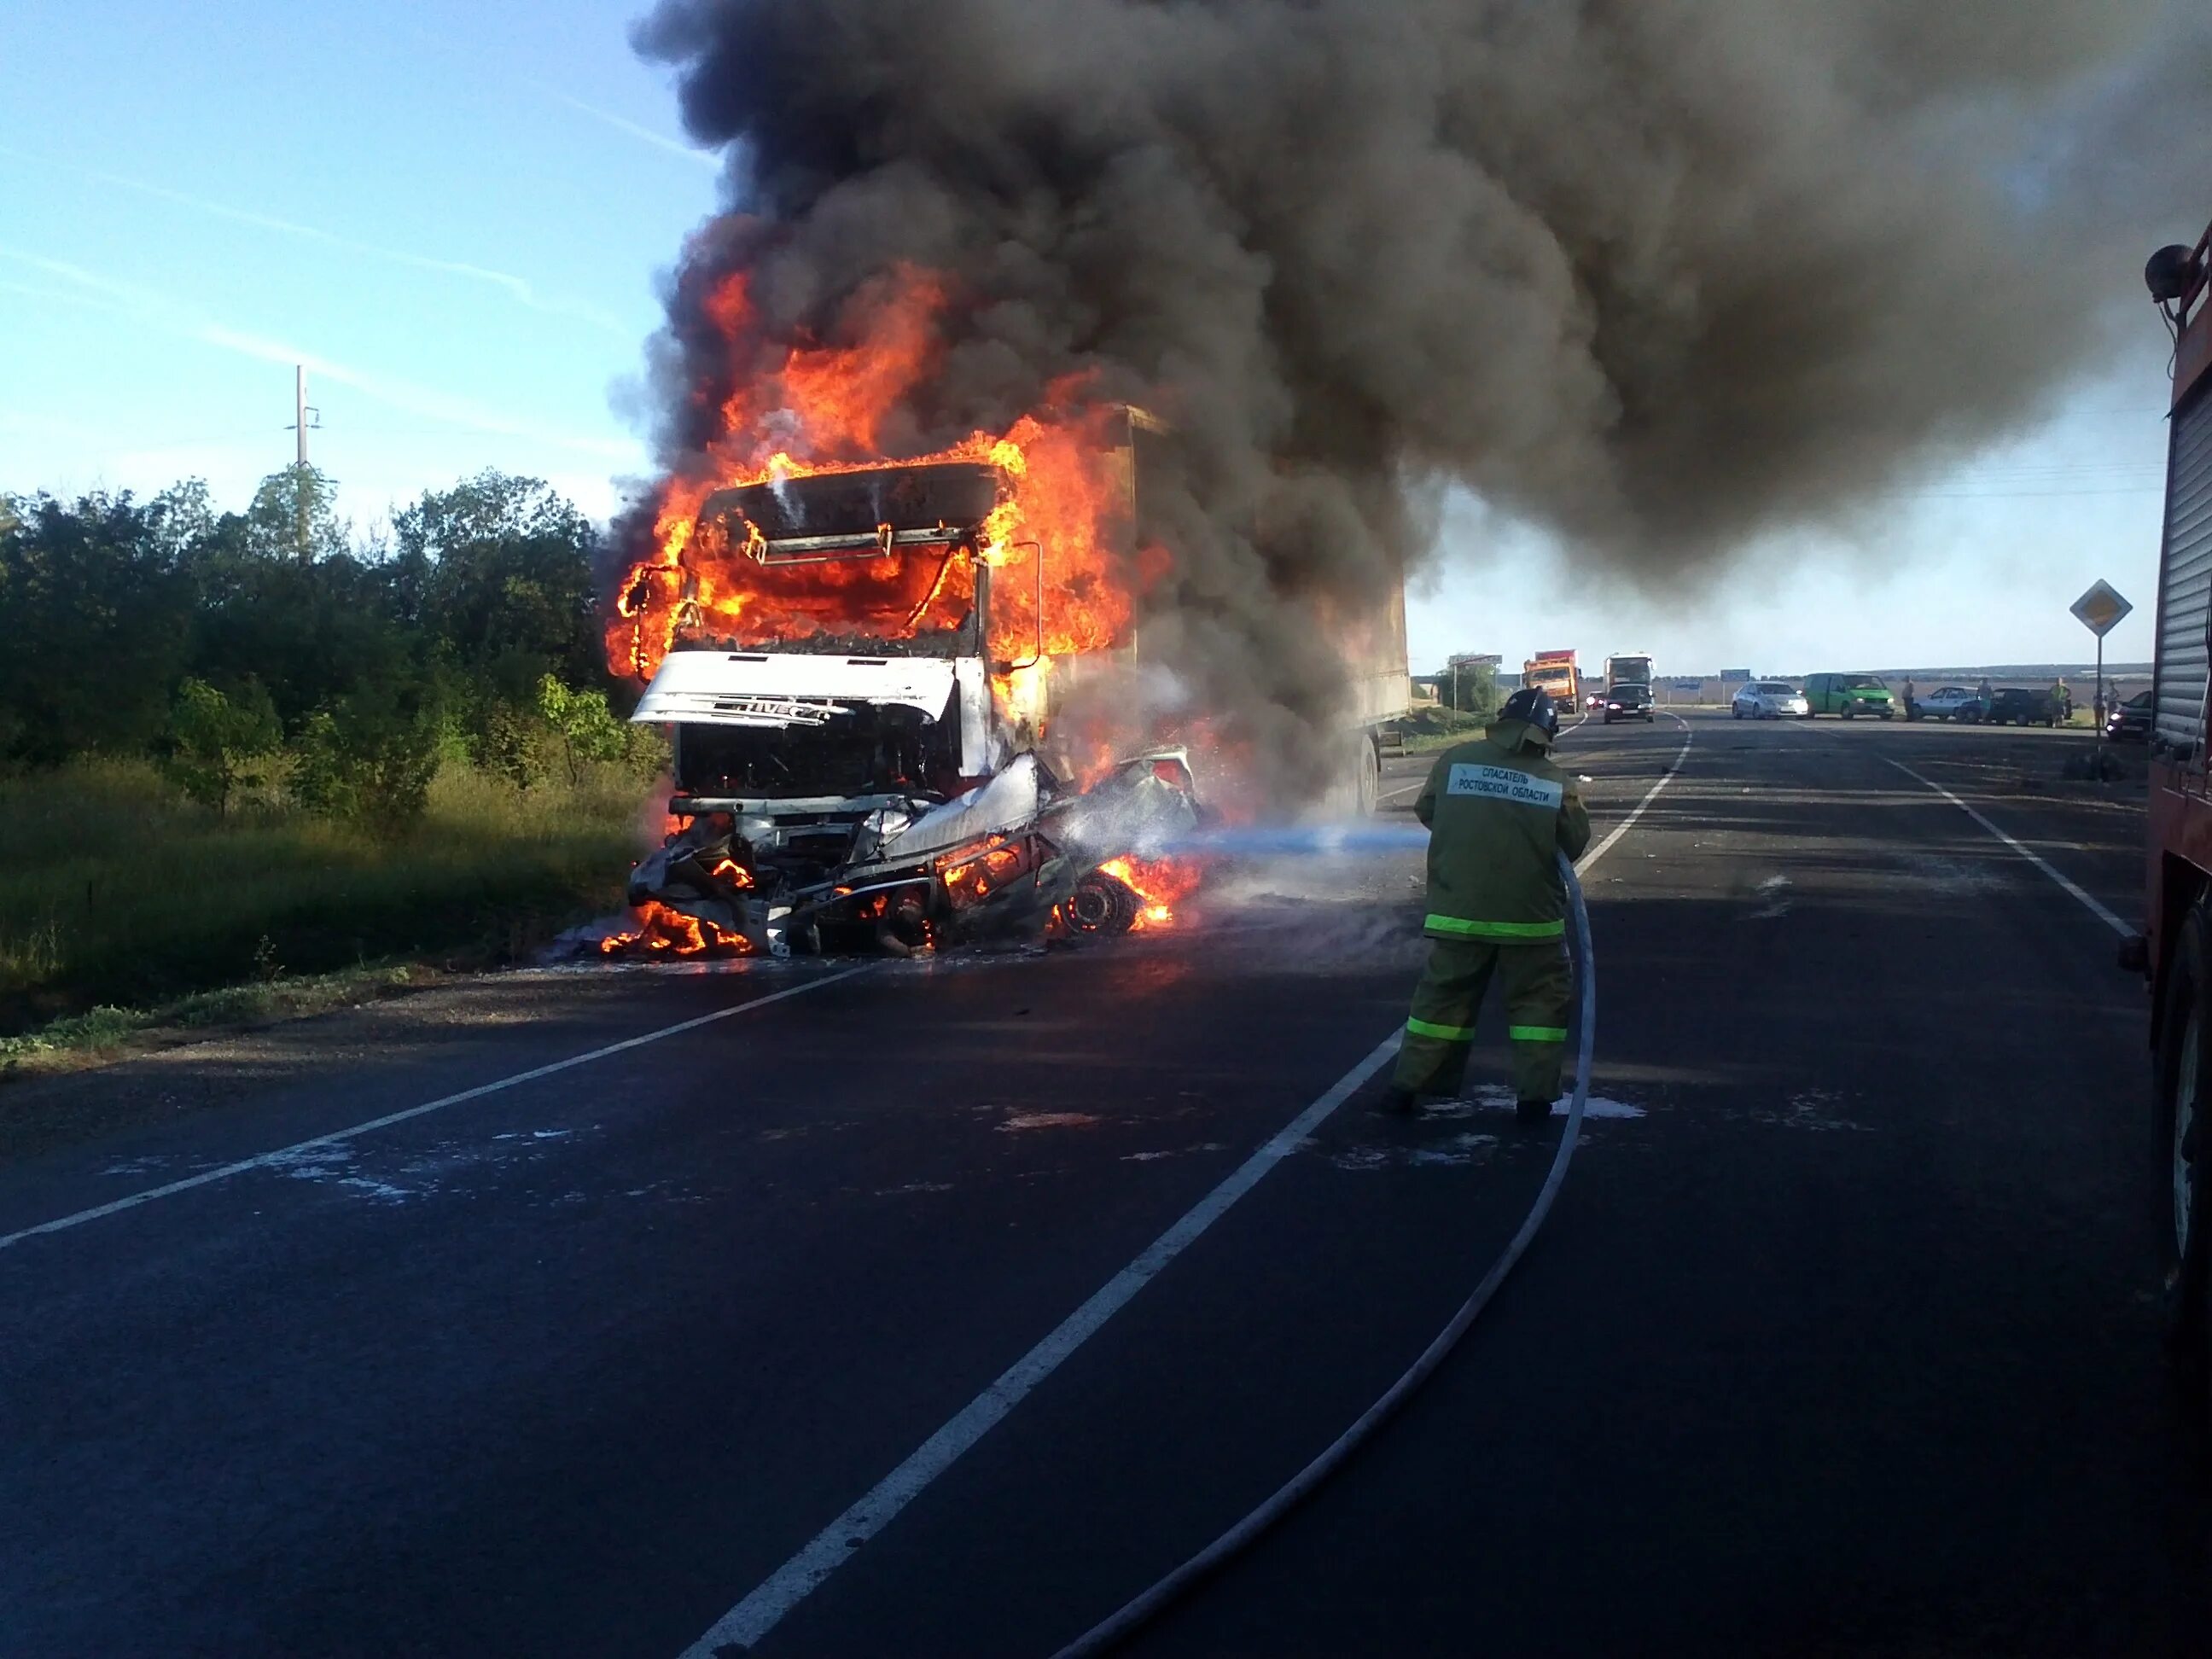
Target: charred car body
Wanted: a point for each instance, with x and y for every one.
(890, 776)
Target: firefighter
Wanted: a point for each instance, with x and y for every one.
(1498, 813)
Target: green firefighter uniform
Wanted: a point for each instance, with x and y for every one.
(1499, 813)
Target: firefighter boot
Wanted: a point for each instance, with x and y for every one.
(1397, 1102)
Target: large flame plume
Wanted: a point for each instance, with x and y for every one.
(815, 407)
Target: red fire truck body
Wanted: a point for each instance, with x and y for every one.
(2175, 950)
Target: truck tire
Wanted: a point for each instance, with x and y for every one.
(1368, 785)
(2184, 1140)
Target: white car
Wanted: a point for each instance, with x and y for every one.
(1949, 703)
(1770, 700)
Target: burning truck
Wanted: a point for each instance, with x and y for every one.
(870, 672)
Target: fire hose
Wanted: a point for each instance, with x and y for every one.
(1111, 1632)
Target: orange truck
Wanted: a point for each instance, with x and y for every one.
(2174, 951)
(1555, 670)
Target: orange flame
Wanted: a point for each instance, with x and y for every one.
(1160, 885)
(662, 932)
(824, 407)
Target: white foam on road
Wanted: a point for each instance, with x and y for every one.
(1495, 1097)
(1021, 1121)
(1774, 893)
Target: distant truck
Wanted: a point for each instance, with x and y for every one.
(1554, 671)
(2174, 951)
(1627, 671)
(902, 769)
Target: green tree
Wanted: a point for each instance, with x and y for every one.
(370, 756)
(1472, 690)
(498, 569)
(96, 607)
(584, 726)
(310, 633)
(295, 516)
(218, 743)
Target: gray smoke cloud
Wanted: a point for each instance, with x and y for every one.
(1663, 274)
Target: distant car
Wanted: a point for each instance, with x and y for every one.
(1848, 695)
(2131, 722)
(2021, 705)
(1594, 702)
(1949, 703)
(1770, 700)
(1628, 702)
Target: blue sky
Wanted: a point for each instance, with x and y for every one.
(457, 215)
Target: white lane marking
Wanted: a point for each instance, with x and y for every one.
(2088, 901)
(791, 1584)
(1589, 861)
(284, 1155)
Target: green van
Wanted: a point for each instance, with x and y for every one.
(1847, 695)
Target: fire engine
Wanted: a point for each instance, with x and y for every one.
(2175, 949)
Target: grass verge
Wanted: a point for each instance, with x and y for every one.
(121, 901)
(105, 1032)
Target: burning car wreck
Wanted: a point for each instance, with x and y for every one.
(1018, 856)
(863, 739)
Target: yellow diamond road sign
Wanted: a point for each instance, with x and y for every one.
(2100, 608)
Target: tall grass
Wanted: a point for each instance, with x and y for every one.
(115, 889)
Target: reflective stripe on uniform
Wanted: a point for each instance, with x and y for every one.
(1503, 783)
(1497, 930)
(1537, 1033)
(1442, 1033)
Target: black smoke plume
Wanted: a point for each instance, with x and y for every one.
(1663, 274)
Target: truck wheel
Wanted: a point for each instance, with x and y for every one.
(1368, 784)
(2182, 1098)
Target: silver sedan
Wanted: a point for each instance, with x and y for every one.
(1770, 700)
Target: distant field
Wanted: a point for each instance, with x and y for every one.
(115, 890)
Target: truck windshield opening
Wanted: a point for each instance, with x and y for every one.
(882, 561)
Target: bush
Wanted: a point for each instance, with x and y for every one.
(586, 730)
(219, 743)
(369, 758)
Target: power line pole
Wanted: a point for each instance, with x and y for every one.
(300, 411)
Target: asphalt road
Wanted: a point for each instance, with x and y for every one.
(1839, 1339)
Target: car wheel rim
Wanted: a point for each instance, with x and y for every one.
(2185, 1134)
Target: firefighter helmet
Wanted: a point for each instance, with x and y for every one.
(1532, 704)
